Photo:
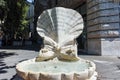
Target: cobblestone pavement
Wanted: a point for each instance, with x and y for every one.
(108, 67)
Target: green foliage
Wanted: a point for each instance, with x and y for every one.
(2, 3)
(3, 9)
(16, 23)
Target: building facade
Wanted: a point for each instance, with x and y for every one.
(103, 27)
(102, 24)
(30, 17)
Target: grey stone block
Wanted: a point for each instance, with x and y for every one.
(108, 46)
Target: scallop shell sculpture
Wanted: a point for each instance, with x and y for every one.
(59, 27)
(58, 59)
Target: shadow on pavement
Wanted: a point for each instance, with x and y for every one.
(4, 54)
(84, 52)
(16, 77)
(33, 47)
(3, 66)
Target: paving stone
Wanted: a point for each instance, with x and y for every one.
(107, 66)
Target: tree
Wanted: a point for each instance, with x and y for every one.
(3, 9)
(23, 24)
(16, 23)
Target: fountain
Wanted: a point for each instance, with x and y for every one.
(58, 59)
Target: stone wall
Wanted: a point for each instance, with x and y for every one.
(103, 27)
(70, 3)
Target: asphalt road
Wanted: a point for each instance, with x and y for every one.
(108, 67)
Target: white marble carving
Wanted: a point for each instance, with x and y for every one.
(57, 70)
(59, 28)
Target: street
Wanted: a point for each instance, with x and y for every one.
(108, 67)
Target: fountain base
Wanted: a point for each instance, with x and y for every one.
(57, 70)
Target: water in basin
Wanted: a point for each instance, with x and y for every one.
(56, 67)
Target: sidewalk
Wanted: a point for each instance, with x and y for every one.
(108, 67)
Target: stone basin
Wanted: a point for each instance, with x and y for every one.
(56, 70)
